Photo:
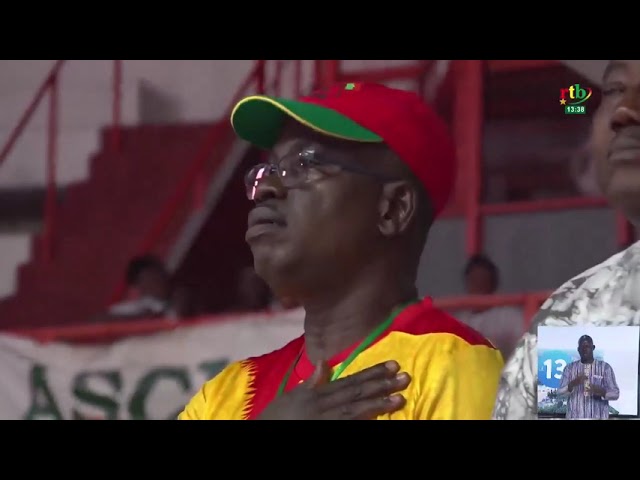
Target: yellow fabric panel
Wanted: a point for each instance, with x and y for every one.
(462, 384)
(225, 397)
(451, 379)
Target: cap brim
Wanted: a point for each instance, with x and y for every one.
(259, 119)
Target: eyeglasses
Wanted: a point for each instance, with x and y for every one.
(296, 169)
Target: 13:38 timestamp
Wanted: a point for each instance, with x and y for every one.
(574, 109)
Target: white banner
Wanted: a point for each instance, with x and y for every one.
(148, 377)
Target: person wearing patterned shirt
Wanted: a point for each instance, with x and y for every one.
(607, 294)
(342, 211)
(589, 383)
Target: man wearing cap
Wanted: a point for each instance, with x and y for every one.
(589, 383)
(342, 210)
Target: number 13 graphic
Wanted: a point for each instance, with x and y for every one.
(560, 365)
(551, 364)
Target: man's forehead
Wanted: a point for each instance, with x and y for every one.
(295, 136)
(620, 66)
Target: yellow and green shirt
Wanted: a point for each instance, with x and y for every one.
(454, 371)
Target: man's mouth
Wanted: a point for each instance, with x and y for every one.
(625, 156)
(624, 149)
(264, 221)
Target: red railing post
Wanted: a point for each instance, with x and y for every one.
(297, 64)
(625, 233)
(278, 78)
(327, 73)
(51, 167)
(261, 76)
(531, 307)
(117, 105)
(467, 128)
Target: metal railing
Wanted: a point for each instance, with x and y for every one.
(50, 89)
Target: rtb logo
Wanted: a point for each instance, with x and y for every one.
(574, 95)
(571, 99)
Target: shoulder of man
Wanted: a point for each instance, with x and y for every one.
(455, 369)
(427, 322)
(222, 393)
(516, 399)
(606, 365)
(445, 342)
(424, 320)
(230, 394)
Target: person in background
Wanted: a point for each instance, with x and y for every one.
(151, 293)
(503, 326)
(607, 294)
(589, 383)
(342, 211)
(481, 276)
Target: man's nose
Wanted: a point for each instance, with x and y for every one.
(269, 187)
(627, 112)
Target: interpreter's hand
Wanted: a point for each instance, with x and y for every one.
(361, 396)
(597, 391)
(577, 381)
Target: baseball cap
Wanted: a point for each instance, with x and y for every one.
(361, 112)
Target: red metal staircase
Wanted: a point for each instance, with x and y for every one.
(144, 183)
(100, 224)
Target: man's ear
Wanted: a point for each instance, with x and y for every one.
(398, 206)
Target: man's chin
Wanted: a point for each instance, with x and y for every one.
(268, 253)
(273, 266)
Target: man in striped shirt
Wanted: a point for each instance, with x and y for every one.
(589, 383)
